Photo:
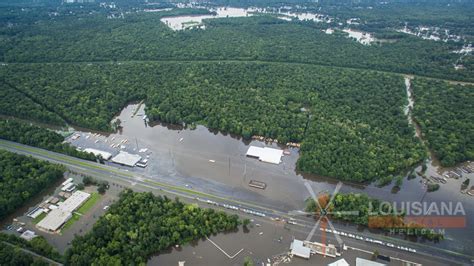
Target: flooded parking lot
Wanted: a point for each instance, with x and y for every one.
(215, 163)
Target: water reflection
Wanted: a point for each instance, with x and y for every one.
(215, 163)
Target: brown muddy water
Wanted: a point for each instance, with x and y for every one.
(215, 163)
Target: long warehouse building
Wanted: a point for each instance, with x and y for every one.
(57, 217)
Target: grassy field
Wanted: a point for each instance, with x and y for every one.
(82, 210)
(89, 203)
(75, 217)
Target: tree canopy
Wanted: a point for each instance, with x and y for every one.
(21, 178)
(141, 224)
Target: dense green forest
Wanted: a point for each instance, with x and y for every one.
(90, 36)
(321, 107)
(14, 256)
(350, 121)
(26, 133)
(15, 103)
(21, 178)
(38, 245)
(372, 213)
(445, 113)
(141, 224)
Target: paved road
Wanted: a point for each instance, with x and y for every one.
(426, 254)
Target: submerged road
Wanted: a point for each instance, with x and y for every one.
(426, 253)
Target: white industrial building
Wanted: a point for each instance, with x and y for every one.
(341, 262)
(298, 249)
(268, 155)
(105, 155)
(125, 158)
(364, 262)
(73, 202)
(57, 217)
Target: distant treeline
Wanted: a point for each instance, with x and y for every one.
(29, 134)
(84, 37)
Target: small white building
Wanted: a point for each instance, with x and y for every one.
(298, 249)
(341, 262)
(268, 155)
(69, 180)
(364, 262)
(128, 159)
(68, 187)
(105, 155)
(28, 235)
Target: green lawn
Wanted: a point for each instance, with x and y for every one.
(89, 203)
(82, 210)
(75, 217)
(39, 218)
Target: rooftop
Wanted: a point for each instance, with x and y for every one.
(126, 158)
(55, 219)
(297, 249)
(364, 262)
(105, 155)
(268, 155)
(341, 262)
(73, 202)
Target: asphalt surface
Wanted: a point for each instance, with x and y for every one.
(425, 253)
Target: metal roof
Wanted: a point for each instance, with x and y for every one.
(297, 249)
(73, 202)
(55, 219)
(341, 262)
(126, 158)
(105, 155)
(364, 262)
(268, 155)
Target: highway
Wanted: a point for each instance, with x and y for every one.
(425, 254)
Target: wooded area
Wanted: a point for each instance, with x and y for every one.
(83, 36)
(445, 113)
(350, 122)
(21, 178)
(141, 224)
(38, 245)
(14, 256)
(29, 134)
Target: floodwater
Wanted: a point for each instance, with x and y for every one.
(305, 16)
(215, 163)
(183, 22)
(362, 37)
(431, 33)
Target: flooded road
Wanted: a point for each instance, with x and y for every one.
(215, 163)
